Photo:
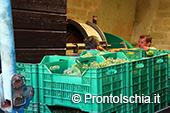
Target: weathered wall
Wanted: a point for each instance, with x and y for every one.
(160, 29)
(145, 14)
(127, 18)
(153, 17)
(113, 16)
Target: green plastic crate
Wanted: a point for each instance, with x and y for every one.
(139, 108)
(54, 58)
(169, 91)
(154, 71)
(159, 72)
(163, 93)
(57, 88)
(87, 60)
(139, 82)
(155, 50)
(134, 54)
(146, 76)
(30, 72)
(139, 79)
(62, 65)
(37, 108)
(154, 105)
(168, 52)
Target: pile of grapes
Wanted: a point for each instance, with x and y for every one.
(74, 70)
(88, 54)
(54, 67)
(109, 61)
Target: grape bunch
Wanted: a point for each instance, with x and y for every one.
(107, 62)
(89, 54)
(117, 61)
(72, 71)
(54, 67)
(85, 66)
(94, 64)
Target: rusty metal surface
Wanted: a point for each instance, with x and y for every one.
(18, 81)
(21, 94)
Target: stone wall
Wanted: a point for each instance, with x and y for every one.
(160, 29)
(153, 17)
(113, 16)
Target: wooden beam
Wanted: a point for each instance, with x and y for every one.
(35, 55)
(38, 20)
(57, 6)
(39, 38)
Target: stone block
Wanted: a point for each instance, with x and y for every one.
(159, 35)
(77, 3)
(167, 47)
(165, 42)
(88, 4)
(166, 22)
(157, 21)
(81, 12)
(161, 14)
(164, 5)
(71, 11)
(161, 28)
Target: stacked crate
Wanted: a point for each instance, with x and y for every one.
(147, 76)
(57, 88)
(168, 52)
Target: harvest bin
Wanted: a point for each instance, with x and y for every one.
(139, 82)
(145, 76)
(30, 72)
(136, 54)
(152, 77)
(57, 88)
(159, 72)
(168, 52)
(163, 93)
(133, 54)
(54, 58)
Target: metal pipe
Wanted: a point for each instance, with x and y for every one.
(8, 60)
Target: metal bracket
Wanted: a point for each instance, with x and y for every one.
(21, 94)
(18, 81)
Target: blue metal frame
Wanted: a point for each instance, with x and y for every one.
(8, 60)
